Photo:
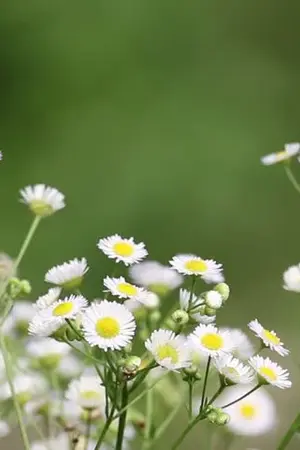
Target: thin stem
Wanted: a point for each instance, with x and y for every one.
(27, 240)
(190, 410)
(122, 420)
(194, 279)
(290, 433)
(105, 428)
(161, 429)
(81, 351)
(216, 394)
(185, 432)
(291, 177)
(149, 413)
(242, 396)
(78, 334)
(106, 395)
(8, 369)
(88, 430)
(205, 383)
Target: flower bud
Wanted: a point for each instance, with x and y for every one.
(213, 299)
(25, 287)
(131, 365)
(180, 317)
(222, 419)
(212, 416)
(198, 375)
(223, 289)
(128, 348)
(210, 311)
(190, 371)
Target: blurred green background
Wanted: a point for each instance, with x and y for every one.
(151, 117)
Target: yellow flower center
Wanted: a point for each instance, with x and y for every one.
(212, 341)
(123, 248)
(127, 289)
(41, 208)
(167, 351)
(271, 337)
(107, 327)
(281, 155)
(90, 395)
(196, 265)
(230, 371)
(159, 288)
(63, 309)
(247, 410)
(268, 373)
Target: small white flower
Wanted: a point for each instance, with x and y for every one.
(39, 326)
(42, 200)
(45, 347)
(46, 300)
(242, 346)
(26, 387)
(69, 274)
(4, 428)
(119, 287)
(155, 277)
(19, 317)
(254, 415)
(291, 278)
(68, 308)
(122, 249)
(207, 269)
(233, 370)
(270, 372)
(169, 351)
(211, 340)
(213, 299)
(289, 151)
(269, 338)
(186, 302)
(86, 392)
(108, 325)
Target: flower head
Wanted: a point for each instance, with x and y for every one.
(269, 338)
(26, 387)
(233, 370)
(48, 351)
(291, 278)
(119, 287)
(42, 200)
(47, 299)
(289, 151)
(69, 275)
(108, 325)
(155, 277)
(87, 392)
(19, 317)
(270, 372)
(39, 326)
(254, 415)
(211, 340)
(123, 249)
(169, 351)
(68, 308)
(207, 269)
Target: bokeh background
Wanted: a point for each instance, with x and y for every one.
(151, 117)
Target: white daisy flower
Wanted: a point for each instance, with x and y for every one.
(213, 299)
(254, 415)
(211, 340)
(19, 317)
(69, 275)
(7, 269)
(270, 372)
(86, 392)
(42, 200)
(122, 249)
(291, 278)
(108, 325)
(169, 351)
(47, 347)
(47, 299)
(26, 387)
(155, 277)
(243, 348)
(208, 269)
(68, 308)
(233, 370)
(119, 287)
(269, 338)
(4, 428)
(39, 326)
(289, 151)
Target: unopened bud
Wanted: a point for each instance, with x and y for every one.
(190, 371)
(212, 416)
(131, 365)
(170, 324)
(210, 311)
(222, 419)
(25, 287)
(223, 289)
(198, 375)
(180, 317)
(213, 299)
(128, 348)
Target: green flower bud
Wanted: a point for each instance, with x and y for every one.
(190, 371)
(222, 419)
(128, 348)
(212, 416)
(198, 375)
(223, 289)
(25, 287)
(171, 324)
(131, 365)
(180, 317)
(210, 311)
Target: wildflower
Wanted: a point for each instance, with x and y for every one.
(211, 340)
(207, 269)
(42, 200)
(47, 351)
(242, 346)
(38, 326)
(233, 370)
(191, 302)
(108, 325)
(26, 387)
(47, 299)
(291, 278)
(119, 287)
(87, 392)
(254, 415)
(19, 317)
(68, 308)
(270, 372)
(68, 275)
(213, 299)
(269, 338)
(122, 249)
(169, 351)
(289, 151)
(155, 277)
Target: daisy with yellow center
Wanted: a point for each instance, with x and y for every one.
(269, 338)
(254, 415)
(289, 151)
(211, 340)
(108, 325)
(233, 371)
(269, 372)
(47, 299)
(207, 269)
(42, 200)
(87, 392)
(119, 287)
(122, 249)
(168, 350)
(68, 275)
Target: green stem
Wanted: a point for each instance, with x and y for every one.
(194, 279)
(216, 394)
(290, 433)
(205, 383)
(122, 420)
(105, 428)
(190, 410)
(88, 430)
(242, 397)
(161, 429)
(291, 177)
(185, 432)
(9, 374)
(149, 413)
